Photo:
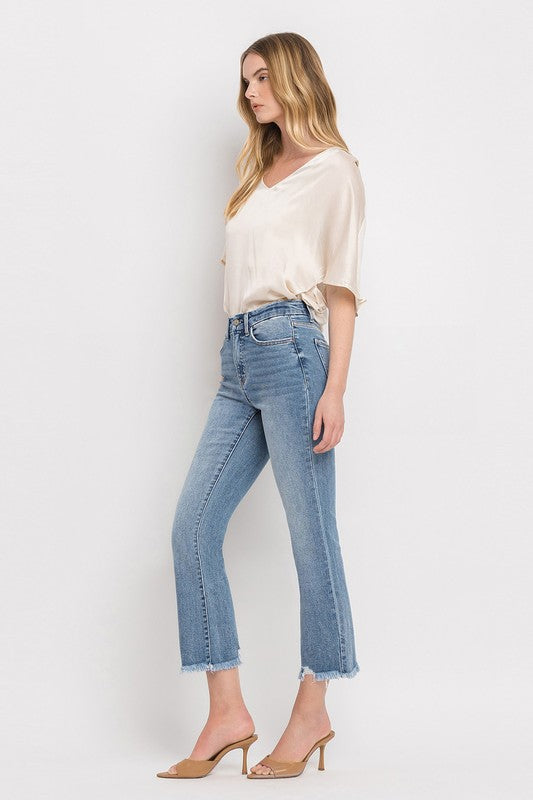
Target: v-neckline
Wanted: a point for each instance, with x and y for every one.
(311, 161)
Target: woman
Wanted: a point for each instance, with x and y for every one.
(294, 235)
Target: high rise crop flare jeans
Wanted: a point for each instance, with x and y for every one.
(274, 365)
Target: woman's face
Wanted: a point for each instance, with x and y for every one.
(258, 91)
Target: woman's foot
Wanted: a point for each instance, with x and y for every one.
(309, 722)
(218, 732)
(228, 721)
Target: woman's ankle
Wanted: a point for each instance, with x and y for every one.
(310, 714)
(229, 714)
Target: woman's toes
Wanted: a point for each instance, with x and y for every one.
(261, 769)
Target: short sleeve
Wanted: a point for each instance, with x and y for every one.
(344, 231)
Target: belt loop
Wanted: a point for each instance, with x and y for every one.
(245, 318)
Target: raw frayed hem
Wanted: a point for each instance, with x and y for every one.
(326, 676)
(235, 662)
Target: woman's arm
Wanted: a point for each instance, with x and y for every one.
(330, 407)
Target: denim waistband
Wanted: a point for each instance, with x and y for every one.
(241, 322)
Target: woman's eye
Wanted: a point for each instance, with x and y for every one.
(260, 78)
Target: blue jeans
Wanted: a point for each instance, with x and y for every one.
(274, 365)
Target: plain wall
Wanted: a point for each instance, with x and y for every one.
(119, 139)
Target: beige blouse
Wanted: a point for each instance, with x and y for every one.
(288, 240)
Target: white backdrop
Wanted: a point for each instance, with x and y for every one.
(119, 138)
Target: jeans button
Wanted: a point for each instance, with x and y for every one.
(235, 321)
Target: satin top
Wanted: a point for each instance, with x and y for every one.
(290, 239)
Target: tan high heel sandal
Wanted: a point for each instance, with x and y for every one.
(198, 768)
(291, 769)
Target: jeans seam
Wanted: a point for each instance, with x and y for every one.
(199, 523)
(317, 498)
(318, 344)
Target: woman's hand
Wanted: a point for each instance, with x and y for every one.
(330, 413)
(330, 408)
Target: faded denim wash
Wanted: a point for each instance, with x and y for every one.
(274, 365)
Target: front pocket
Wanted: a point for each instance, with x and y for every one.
(272, 330)
(322, 348)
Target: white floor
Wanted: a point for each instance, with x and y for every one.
(492, 766)
(135, 778)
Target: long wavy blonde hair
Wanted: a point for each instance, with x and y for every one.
(300, 87)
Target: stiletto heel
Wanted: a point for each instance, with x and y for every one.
(291, 769)
(245, 749)
(199, 768)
